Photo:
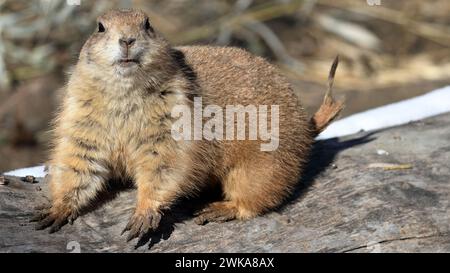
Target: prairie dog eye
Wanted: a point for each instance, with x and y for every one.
(101, 27)
(147, 25)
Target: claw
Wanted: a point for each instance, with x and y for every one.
(200, 221)
(39, 216)
(72, 217)
(43, 207)
(57, 224)
(45, 223)
(128, 226)
(154, 221)
(140, 225)
(54, 228)
(202, 211)
(132, 235)
(134, 232)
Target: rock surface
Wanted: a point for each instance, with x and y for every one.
(386, 191)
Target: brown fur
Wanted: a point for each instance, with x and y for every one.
(115, 123)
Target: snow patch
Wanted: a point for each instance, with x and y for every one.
(428, 105)
(34, 171)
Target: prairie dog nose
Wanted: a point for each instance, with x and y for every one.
(126, 42)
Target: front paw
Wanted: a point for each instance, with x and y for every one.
(141, 224)
(54, 217)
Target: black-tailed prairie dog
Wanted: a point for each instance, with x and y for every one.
(117, 122)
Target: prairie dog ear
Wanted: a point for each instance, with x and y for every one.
(148, 26)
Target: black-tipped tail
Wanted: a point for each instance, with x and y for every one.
(330, 108)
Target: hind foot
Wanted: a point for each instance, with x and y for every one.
(217, 212)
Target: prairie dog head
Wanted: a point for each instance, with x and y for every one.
(124, 47)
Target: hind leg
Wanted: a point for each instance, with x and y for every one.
(250, 190)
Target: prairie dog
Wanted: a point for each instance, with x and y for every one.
(116, 122)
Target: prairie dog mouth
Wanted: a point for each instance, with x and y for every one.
(128, 62)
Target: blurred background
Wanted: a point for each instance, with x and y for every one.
(390, 50)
